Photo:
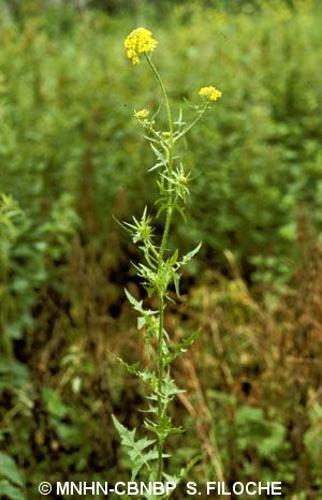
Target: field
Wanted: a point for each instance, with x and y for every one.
(74, 167)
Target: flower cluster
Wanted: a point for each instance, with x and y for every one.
(139, 41)
(211, 93)
(143, 114)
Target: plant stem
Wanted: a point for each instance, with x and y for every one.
(170, 156)
(192, 124)
(164, 94)
(160, 377)
(163, 246)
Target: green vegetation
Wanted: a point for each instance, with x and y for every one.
(72, 162)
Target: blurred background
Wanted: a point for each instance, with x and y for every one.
(72, 158)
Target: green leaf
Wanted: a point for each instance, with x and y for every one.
(55, 406)
(182, 346)
(13, 374)
(137, 306)
(136, 450)
(141, 322)
(9, 470)
(9, 491)
(176, 281)
(190, 255)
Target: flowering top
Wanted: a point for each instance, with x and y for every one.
(142, 114)
(211, 93)
(139, 41)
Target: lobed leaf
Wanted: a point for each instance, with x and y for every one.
(136, 449)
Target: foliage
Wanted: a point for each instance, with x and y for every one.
(29, 254)
(11, 479)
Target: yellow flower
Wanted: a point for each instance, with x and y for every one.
(210, 93)
(142, 114)
(139, 41)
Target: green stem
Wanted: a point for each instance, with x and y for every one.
(163, 246)
(192, 124)
(170, 155)
(160, 378)
(164, 94)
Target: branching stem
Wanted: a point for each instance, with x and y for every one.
(192, 124)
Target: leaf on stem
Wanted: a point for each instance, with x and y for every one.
(136, 449)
